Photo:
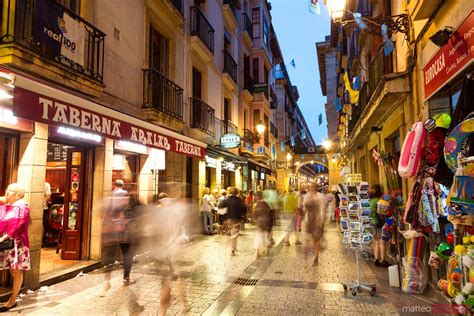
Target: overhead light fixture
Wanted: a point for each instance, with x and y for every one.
(4, 95)
(327, 144)
(441, 37)
(288, 156)
(336, 9)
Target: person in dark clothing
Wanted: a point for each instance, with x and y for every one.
(127, 237)
(236, 210)
(262, 216)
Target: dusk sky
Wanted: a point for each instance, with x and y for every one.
(298, 30)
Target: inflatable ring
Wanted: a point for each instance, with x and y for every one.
(410, 156)
(453, 144)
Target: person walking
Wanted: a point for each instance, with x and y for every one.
(289, 208)
(315, 205)
(206, 211)
(222, 212)
(236, 211)
(15, 253)
(263, 221)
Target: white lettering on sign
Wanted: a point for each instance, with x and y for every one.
(64, 114)
(149, 138)
(188, 149)
(435, 69)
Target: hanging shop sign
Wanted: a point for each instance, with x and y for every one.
(59, 31)
(36, 107)
(450, 59)
(211, 162)
(230, 141)
(260, 87)
(227, 165)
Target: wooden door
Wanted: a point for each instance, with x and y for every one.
(73, 204)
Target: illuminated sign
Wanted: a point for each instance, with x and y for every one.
(211, 162)
(7, 116)
(74, 133)
(227, 165)
(230, 141)
(129, 146)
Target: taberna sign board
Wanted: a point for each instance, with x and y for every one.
(230, 141)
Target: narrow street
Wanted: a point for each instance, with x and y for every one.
(284, 285)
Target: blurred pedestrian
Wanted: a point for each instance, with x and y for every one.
(15, 245)
(315, 205)
(206, 208)
(222, 212)
(249, 203)
(375, 193)
(331, 206)
(270, 196)
(236, 210)
(263, 222)
(289, 208)
(299, 215)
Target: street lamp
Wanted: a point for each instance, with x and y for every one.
(336, 9)
(288, 156)
(260, 128)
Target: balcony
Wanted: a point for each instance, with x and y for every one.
(178, 4)
(273, 130)
(229, 8)
(248, 140)
(229, 74)
(224, 127)
(202, 116)
(247, 30)
(230, 128)
(76, 61)
(202, 35)
(259, 88)
(378, 99)
(274, 101)
(161, 95)
(262, 153)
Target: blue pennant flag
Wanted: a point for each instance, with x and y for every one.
(314, 7)
(317, 157)
(274, 151)
(356, 83)
(302, 156)
(282, 146)
(358, 19)
(292, 140)
(303, 134)
(337, 104)
(292, 63)
(388, 46)
(320, 118)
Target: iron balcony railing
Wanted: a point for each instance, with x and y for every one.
(379, 67)
(178, 4)
(248, 82)
(162, 94)
(201, 28)
(202, 116)
(25, 24)
(230, 128)
(248, 26)
(230, 66)
(273, 130)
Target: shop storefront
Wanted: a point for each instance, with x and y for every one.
(259, 175)
(223, 169)
(67, 151)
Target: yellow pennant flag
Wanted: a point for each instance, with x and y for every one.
(353, 94)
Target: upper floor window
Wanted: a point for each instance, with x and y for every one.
(159, 52)
(256, 22)
(73, 5)
(266, 32)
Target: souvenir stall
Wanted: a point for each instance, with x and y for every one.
(438, 155)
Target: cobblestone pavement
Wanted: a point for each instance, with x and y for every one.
(285, 285)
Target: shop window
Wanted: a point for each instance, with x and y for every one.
(8, 161)
(124, 167)
(256, 22)
(445, 101)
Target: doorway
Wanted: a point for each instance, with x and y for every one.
(66, 207)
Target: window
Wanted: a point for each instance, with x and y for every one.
(256, 118)
(246, 123)
(197, 83)
(266, 32)
(256, 22)
(227, 41)
(267, 132)
(255, 66)
(159, 52)
(265, 74)
(73, 5)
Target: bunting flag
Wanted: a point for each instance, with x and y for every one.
(292, 141)
(292, 63)
(388, 46)
(358, 19)
(337, 104)
(320, 118)
(282, 146)
(356, 82)
(317, 157)
(353, 94)
(314, 7)
(274, 151)
(303, 134)
(302, 156)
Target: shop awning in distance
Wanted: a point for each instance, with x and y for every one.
(37, 102)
